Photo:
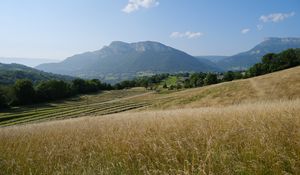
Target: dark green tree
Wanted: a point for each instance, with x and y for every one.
(210, 79)
(165, 85)
(238, 75)
(229, 76)
(288, 58)
(24, 92)
(79, 86)
(268, 58)
(53, 90)
(257, 69)
(197, 79)
(3, 100)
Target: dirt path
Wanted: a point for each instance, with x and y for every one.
(260, 91)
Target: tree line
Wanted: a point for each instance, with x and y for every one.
(24, 92)
(274, 62)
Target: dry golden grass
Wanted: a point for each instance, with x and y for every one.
(259, 138)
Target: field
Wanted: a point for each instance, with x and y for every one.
(260, 138)
(97, 104)
(247, 126)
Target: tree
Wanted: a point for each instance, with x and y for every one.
(24, 91)
(187, 83)
(128, 84)
(257, 69)
(91, 86)
(178, 86)
(3, 100)
(97, 83)
(165, 85)
(197, 79)
(228, 76)
(288, 58)
(268, 58)
(106, 86)
(210, 79)
(53, 90)
(273, 62)
(238, 75)
(79, 86)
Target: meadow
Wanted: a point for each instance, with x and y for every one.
(259, 138)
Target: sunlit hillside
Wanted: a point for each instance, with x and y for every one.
(259, 138)
(275, 86)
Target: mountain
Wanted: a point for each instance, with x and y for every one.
(122, 60)
(206, 60)
(9, 73)
(246, 59)
(212, 58)
(31, 62)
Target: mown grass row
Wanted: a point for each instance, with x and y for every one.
(34, 112)
(92, 98)
(72, 112)
(100, 104)
(96, 112)
(51, 110)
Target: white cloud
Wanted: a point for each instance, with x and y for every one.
(188, 34)
(276, 17)
(176, 35)
(134, 5)
(244, 31)
(259, 27)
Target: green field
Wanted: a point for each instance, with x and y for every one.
(173, 81)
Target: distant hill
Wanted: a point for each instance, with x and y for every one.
(212, 61)
(212, 58)
(246, 59)
(31, 62)
(121, 60)
(9, 73)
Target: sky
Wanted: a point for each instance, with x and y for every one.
(57, 29)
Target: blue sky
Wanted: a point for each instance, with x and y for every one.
(57, 29)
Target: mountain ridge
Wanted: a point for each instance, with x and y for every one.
(9, 73)
(248, 58)
(30, 62)
(127, 60)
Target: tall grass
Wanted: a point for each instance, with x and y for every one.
(260, 138)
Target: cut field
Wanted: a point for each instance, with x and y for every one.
(98, 104)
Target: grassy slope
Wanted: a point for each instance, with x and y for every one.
(261, 138)
(279, 85)
(251, 127)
